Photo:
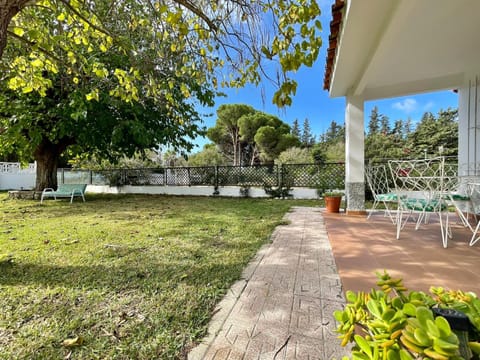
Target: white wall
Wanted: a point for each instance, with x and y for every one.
(229, 191)
(14, 177)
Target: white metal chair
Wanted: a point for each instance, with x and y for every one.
(379, 184)
(420, 189)
(457, 194)
(475, 201)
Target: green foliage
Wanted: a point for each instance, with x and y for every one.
(329, 193)
(393, 323)
(273, 140)
(331, 146)
(296, 128)
(230, 52)
(226, 132)
(307, 139)
(209, 156)
(278, 192)
(434, 135)
(295, 155)
(147, 160)
(99, 95)
(248, 136)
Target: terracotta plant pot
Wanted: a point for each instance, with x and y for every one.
(332, 203)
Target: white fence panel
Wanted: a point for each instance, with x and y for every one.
(14, 177)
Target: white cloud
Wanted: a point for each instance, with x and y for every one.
(408, 105)
(428, 106)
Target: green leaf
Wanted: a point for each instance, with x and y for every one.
(388, 315)
(393, 354)
(76, 341)
(405, 355)
(474, 346)
(443, 326)
(423, 315)
(351, 296)
(18, 31)
(373, 308)
(432, 329)
(363, 345)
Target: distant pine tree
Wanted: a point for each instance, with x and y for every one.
(374, 123)
(296, 129)
(307, 139)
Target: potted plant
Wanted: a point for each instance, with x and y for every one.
(394, 323)
(333, 200)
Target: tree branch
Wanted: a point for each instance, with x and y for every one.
(187, 4)
(31, 43)
(76, 12)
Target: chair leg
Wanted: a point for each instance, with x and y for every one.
(444, 228)
(389, 213)
(374, 206)
(474, 238)
(399, 222)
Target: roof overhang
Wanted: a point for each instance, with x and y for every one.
(395, 48)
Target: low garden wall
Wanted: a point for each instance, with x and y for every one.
(231, 181)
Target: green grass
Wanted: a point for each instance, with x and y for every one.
(135, 277)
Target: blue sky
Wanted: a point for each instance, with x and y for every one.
(312, 102)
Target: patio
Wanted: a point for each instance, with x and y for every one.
(362, 246)
(282, 307)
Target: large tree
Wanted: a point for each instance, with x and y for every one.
(435, 135)
(248, 136)
(111, 113)
(226, 132)
(307, 138)
(274, 138)
(250, 126)
(165, 54)
(239, 34)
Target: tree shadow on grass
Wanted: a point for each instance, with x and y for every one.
(147, 277)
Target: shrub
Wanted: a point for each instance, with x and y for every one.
(394, 324)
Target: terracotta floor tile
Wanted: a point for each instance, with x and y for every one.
(362, 246)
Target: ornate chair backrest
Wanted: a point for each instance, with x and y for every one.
(419, 178)
(378, 179)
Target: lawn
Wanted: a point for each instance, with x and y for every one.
(122, 277)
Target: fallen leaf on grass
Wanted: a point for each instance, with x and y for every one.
(6, 258)
(76, 341)
(72, 242)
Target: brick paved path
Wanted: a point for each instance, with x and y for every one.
(282, 308)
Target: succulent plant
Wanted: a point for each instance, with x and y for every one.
(395, 324)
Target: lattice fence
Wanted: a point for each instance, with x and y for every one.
(248, 175)
(325, 176)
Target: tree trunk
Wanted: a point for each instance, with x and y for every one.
(8, 9)
(254, 155)
(46, 156)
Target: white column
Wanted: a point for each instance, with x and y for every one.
(354, 154)
(469, 127)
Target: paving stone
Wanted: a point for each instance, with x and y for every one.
(283, 307)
